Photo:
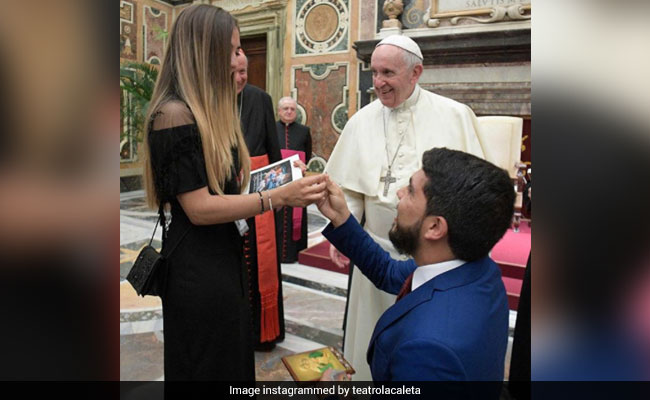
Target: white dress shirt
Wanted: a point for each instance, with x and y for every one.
(425, 273)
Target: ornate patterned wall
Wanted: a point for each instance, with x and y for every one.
(143, 28)
(416, 13)
(128, 30)
(154, 31)
(322, 94)
(143, 25)
(322, 26)
(320, 66)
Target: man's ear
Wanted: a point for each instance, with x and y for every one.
(417, 71)
(435, 227)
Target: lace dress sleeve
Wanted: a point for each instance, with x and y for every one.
(176, 154)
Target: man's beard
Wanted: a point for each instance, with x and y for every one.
(405, 240)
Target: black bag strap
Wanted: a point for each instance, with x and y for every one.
(161, 217)
(154, 230)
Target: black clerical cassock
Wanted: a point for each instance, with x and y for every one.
(293, 136)
(261, 253)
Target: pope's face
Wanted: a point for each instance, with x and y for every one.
(393, 80)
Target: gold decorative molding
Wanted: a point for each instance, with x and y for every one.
(483, 15)
(321, 23)
(238, 5)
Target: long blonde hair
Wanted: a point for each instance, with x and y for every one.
(196, 69)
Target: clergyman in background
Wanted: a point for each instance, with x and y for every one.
(294, 138)
(261, 253)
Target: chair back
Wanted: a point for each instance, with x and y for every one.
(502, 136)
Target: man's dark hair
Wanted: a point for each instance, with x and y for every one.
(475, 197)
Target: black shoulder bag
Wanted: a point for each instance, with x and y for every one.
(148, 276)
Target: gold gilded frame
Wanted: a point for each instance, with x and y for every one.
(488, 14)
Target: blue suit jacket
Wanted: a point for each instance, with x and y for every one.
(453, 327)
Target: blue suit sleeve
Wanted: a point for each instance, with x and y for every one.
(375, 263)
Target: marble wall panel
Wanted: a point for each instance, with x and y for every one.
(367, 18)
(154, 29)
(321, 90)
(128, 30)
(488, 98)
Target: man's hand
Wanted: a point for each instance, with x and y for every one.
(333, 205)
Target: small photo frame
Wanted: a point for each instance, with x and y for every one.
(274, 175)
(316, 166)
(310, 365)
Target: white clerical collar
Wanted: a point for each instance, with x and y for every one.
(425, 273)
(410, 102)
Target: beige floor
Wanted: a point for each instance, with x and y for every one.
(129, 299)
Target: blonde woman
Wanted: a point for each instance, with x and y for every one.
(197, 162)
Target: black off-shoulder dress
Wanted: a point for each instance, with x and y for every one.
(207, 332)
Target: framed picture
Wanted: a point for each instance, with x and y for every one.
(481, 11)
(310, 365)
(274, 175)
(316, 165)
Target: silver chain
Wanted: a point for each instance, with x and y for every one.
(399, 145)
(388, 160)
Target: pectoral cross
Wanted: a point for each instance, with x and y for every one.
(388, 179)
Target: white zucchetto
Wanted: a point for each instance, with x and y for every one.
(403, 42)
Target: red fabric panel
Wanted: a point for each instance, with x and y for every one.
(267, 267)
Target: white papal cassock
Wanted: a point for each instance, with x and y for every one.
(357, 163)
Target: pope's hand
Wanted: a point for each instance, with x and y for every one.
(338, 258)
(301, 165)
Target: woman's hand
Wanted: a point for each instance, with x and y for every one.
(302, 192)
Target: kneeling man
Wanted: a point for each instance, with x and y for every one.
(450, 320)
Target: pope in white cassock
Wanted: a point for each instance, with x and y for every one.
(380, 148)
